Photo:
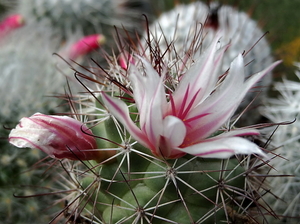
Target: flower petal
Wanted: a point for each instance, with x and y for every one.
(174, 130)
(223, 148)
(202, 76)
(173, 136)
(149, 94)
(237, 132)
(120, 110)
(86, 45)
(58, 136)
(145, 86)
(219, 106)
(224, 101)
(256, 77)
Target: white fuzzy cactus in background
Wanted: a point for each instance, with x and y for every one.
(87, 16)
(286, 108)
(181, 24)
(31, 74)
(29, 71)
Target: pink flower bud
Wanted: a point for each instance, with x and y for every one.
(10, 23)
(85, 45)
(58, 136)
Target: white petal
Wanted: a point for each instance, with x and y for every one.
(120, 110)
(223, 148)
(237, 132)
(228, 93)
(202, 76)
(149, 94)
(256, 77)
(174, 130)
(145, 87)
(27, 138)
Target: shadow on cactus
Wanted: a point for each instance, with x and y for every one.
(162, 146)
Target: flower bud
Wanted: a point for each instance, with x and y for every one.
(58, 136)
(10, 23)
(86, 45)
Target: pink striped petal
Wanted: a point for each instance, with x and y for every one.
(202, 77)
(149, 95)
(58, 136)
(120, 110)
(224, 101)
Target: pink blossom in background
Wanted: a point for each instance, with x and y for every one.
(86, 45)
(10, 23)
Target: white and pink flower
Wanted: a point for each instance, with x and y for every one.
(186, 120)
(58, 136)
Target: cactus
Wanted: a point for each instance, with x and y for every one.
(134, 186)
(25, 74)
(285, 110)
(138, 188)
(172, 152)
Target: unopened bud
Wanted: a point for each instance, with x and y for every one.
(58, 136)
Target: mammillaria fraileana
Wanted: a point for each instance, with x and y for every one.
(154, 103)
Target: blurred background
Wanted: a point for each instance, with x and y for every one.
(278, 17)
